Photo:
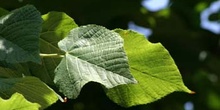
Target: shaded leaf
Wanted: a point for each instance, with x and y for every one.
(18, 102)
(31, 88)
(56, 26)
(19, 35)
(93, 53)
(3, 12)
(17, 70)
(153, 68)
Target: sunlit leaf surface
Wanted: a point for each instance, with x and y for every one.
(17, 102)
(153, 68)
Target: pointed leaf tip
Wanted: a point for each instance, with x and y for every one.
(192, 92)
(93, 53)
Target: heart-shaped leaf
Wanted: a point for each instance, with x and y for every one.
(153, 68)
(93, 53)
(19, 35)
(18, 102)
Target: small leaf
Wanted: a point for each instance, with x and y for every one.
(93, 53)
(18, 102)
(31, 88)
(56, 26)
(153, 68)
(19, 35)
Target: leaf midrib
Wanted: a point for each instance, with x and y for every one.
(155, 76)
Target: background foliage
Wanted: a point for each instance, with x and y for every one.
(177, 28)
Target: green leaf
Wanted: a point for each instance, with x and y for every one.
(153, 68)
(19, 35)
(17, 70)
(56, 26)
(93, 53)
(31, 88)
(18, 102)
(3, 12)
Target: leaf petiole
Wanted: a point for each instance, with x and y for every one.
(54, 55)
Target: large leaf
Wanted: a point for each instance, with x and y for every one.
(93, 53)
(153, 68)
(19, 35)
(31, 88)
(56, 26)
(18, 102)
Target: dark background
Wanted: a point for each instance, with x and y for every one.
(177, 28)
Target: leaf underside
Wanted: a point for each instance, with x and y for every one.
(19, 35)
(93, 53)
(153, 68)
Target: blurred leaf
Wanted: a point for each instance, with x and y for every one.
(31, 88)
(201, 6)
(3, 12)
(214, 17)
(18, 102)
(154, 69)
(56, 26)
(93, 53)
(213, 100)
(19, 35)
(164, 13)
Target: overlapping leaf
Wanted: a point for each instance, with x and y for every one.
(56, 26)
(93, 53)
(153, 68)
(19, 35)
(31, 88)
(18, 102)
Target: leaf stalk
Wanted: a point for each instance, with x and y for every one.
(54, 55)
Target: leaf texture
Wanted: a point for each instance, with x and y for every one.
(93, 53)
(19, 35)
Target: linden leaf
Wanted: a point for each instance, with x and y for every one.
(153, 68)
(93, 53)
